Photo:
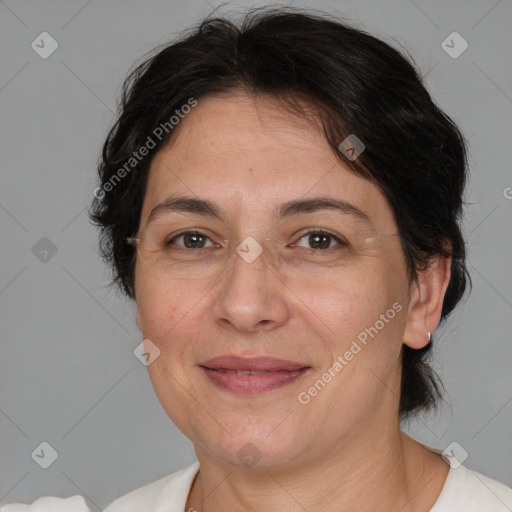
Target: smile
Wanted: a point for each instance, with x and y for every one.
(251, 376)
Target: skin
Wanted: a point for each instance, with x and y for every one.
(344, 449)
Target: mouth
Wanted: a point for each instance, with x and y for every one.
(251, 376)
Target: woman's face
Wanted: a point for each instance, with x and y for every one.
(320, 323)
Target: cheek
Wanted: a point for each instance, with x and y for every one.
(166, 306)
(361, 315)
(361, 346)
(348, 302)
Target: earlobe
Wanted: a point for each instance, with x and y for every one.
(426, 302)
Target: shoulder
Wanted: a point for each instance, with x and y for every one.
(469, 491)
(168, 494)
(50, 504)
(164, 495)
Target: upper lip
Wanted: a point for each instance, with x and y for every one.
(238, 363)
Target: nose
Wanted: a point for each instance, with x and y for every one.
(252, 296)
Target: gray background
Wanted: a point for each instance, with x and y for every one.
(68, 374)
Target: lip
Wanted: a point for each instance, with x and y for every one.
(260, 374)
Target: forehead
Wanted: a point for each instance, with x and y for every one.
(249, 155)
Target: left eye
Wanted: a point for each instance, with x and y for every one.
(320, 239)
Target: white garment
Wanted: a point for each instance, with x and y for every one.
(50, 504)
(464, 491)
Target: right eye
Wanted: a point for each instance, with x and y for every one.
(190, 240)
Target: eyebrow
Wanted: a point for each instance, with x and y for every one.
(206, 208)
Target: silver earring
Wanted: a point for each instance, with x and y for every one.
(429, 338)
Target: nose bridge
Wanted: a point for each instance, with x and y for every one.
(258, 257)
(251, 293)
(249, 265)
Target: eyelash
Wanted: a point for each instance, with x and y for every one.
(340, 241)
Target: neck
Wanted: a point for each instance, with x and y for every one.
(382, 470)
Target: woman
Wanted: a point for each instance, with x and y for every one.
(282, 200)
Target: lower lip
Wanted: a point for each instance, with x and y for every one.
(247, 384)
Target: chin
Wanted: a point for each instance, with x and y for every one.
(251, 449)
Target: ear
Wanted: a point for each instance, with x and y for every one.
(138, 320)
(426, 300)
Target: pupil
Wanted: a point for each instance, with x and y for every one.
(195, 240)
(315, 240)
